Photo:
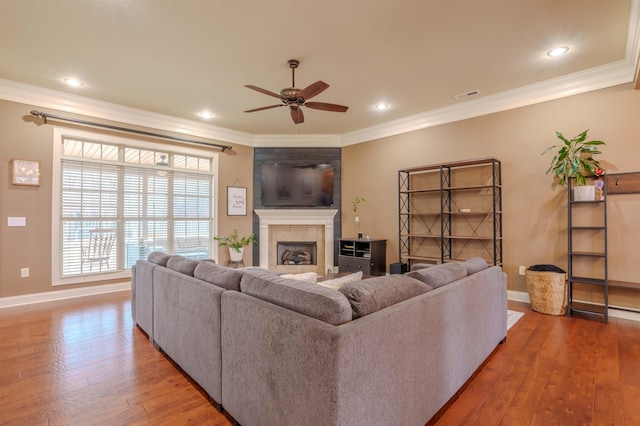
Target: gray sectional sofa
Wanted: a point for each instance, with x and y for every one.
(278, 351)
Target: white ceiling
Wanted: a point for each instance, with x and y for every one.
(180, 57)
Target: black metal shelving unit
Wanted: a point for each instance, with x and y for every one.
(433, 225)
(594, 268)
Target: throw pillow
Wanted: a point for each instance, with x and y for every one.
(371, 295)
(336, 283)
(305, 276)
(439, 275)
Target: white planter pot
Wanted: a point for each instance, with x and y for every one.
(584, 193)
(234, 255)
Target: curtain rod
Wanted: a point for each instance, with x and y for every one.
(39, 114)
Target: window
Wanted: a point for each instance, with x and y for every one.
(117, 201)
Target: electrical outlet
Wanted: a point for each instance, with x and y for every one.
(521, 270)
(24, 272)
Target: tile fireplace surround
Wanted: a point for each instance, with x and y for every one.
(296, 225)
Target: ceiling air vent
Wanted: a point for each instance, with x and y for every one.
(466, 95)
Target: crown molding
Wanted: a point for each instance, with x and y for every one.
(61, 101)
(572, 84)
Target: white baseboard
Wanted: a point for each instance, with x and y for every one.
(48, 296)
(521, 296)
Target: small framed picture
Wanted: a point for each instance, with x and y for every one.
(236, 201)
(25, 172)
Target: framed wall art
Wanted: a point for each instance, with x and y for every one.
(24, 172)
(236, 201)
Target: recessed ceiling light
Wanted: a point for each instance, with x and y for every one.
(73, 82)
(558, 51)
(206, 115)
(382, 107)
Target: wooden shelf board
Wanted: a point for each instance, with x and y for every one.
(588, 253)
(594, 228)
(624, 284)
(429, 258)
(462, 237)
(434, 167)
(587, 308)
(585, 280)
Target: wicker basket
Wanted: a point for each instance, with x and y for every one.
(547, 292)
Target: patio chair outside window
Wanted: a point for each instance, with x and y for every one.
(99, 249)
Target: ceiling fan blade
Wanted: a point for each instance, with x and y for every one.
(263, 108)
(326, 107)
(313, 90)
(261, 90)
(297, 116)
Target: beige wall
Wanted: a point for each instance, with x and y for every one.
(535, 211)
(30, 246)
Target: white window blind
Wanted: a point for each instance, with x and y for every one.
(118, 203)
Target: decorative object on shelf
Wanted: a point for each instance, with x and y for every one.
(236, 201)
(574, 159)
(356, 201)
(599, 184)
(236, 244)
(25, 172)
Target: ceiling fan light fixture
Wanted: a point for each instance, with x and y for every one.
(557, 51)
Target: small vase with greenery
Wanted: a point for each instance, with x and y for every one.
(574, 158)
(356, 201)
(236, 244)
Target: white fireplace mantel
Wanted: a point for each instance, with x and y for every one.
(295, 217)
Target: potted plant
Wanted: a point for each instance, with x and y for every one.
(356, 201)
(236, 244)
(574, 159)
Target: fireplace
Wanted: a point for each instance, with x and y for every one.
(297, 253)
(297, 226)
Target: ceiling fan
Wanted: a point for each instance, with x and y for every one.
(295, 98)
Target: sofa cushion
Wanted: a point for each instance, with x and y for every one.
(336, 283)
(312, 277)
(303, 297)
(182, 264)
(159, 258)
(221, 276)
(439, 275)
(475, 264)
(371, 295)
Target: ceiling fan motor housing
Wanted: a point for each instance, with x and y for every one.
(290, 94)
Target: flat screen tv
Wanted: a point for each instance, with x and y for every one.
(297, 185)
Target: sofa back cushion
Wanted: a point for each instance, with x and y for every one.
(227, 278)
(475, 264)
(304, 297)
(159, 258)
(182, 264)
(439, 275)
(371, 295)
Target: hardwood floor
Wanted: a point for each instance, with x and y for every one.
(83, 361)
